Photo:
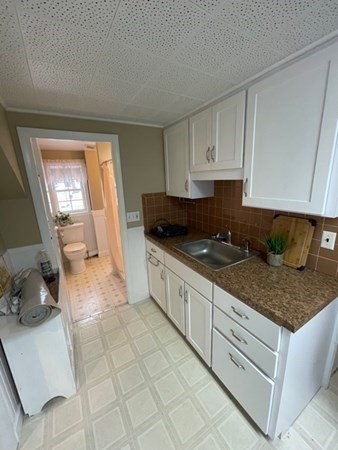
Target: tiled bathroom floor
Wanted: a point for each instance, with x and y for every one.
(96, 290)
(141, 387)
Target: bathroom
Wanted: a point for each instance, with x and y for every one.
(79, 180)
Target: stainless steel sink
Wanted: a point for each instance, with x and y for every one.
(215, 255)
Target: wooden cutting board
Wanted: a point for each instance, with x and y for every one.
(299, 232)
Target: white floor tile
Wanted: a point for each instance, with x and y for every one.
(136, 328)
(156, 438)
(116, 337)
(155, 363)
(108, 429)
(238, 433)
(101, 395)
(178, 350)
(186, 420)
(141, 407)
(169, 388)
(145, 343)
(212, 399)
(122, 355)
(66, 415)
(193, 371)
(92, 349)
(130, 378)
(75, 441)
(96, 369)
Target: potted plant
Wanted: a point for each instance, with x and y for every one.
(275, 244)
(62, 219)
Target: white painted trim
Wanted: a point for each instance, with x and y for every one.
(138, 289)
(92, 253)
(25, 136)
(75, 116)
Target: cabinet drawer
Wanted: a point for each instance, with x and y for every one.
(263, 328)
(201, 284)
(251, 388)
(257, 352)
(155, 251)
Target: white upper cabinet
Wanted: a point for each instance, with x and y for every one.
(176, 153)
(216, 140)
(291, 161)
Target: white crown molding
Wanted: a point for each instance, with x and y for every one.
(75, 116)
(300, 54)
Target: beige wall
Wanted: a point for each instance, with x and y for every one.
(11, 185)
(94, 179)
(2, 246)
(141, 150)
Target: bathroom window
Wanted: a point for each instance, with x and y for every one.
(67, 186)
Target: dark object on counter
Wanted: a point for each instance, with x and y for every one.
(167, 229)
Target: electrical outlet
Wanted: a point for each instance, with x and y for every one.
(133, 216)
(328, 240)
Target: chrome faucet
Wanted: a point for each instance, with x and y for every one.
(246, 246)
(224, 237)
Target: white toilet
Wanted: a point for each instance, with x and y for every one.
(74, 249)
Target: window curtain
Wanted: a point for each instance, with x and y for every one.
(66, 174)
(112, 217)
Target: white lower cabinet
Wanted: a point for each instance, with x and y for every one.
(251, 388)
(198, 313)
(156, 281)
(175, 299)
(272, 372)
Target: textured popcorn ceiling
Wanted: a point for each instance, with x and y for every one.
(150, 61)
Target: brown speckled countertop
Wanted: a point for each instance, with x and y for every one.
(284, 295)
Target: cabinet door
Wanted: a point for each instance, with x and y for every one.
(156, 281)
(175, 299)
(200, 141)
(176, 153)
(198, 322)
(10, 409)
(228, 133)
(291, 133)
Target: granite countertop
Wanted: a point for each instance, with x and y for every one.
(286, 296)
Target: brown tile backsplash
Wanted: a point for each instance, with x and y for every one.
(225, 210)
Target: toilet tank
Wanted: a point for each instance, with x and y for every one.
(72, 233)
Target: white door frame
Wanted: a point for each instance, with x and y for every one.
(25, 136)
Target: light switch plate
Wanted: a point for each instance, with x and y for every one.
(133, 216)
(328, 240)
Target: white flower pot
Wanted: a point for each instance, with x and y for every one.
(275, 260)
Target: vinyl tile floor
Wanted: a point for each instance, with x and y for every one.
(96, 290)
(141, 387)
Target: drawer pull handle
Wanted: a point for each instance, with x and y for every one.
(186, 296)
(162, 274)
(241, 315)
(241, 340)
(156, 263)
(180, 292)
(153, 250)
(236, 362)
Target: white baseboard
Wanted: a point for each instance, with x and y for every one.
(92, 253)
(104, 253)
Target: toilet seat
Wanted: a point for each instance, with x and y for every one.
(77, 247)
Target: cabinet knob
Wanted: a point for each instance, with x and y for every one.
(245, 187)
(162, 275)
(207, 154)
(186, 185)
(213, 153)
(180, 291)
(236, 362)
(241, 315)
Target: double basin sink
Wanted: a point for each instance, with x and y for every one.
(214, 254)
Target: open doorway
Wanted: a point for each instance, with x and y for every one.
(82, 178)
